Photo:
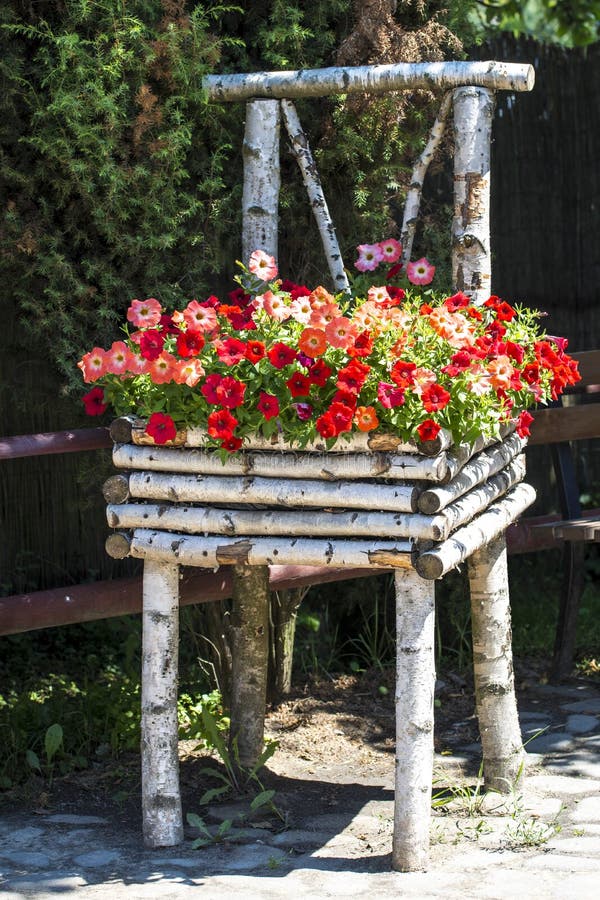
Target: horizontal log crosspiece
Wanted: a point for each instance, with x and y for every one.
(371, 79)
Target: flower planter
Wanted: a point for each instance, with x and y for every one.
(418, 514)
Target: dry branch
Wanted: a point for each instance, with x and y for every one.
(303, 156)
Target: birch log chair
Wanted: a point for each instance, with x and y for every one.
(418, 510)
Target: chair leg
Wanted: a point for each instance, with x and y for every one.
(161, 799)
(566, 628)
(502, 745)
(415, 685)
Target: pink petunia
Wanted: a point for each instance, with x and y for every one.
(188, 371)
(391, 250)
(275, 306)
(341, 332)
(199, 316)
(369, 257)
(93, 364)
(262, 265)
(162, 369)
(144, 313)
(118, 358)
(420, 272)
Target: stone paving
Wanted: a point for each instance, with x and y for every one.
(540, 842)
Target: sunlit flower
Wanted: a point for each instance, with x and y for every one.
(262, 265)
(391, 250)
(369, 257)
(200, 316)
(420, 272)
(161, 428)
(144, 313)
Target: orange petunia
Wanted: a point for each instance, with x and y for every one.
(313, 342)
(366, 418)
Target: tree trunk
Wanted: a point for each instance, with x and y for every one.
(501, 741)
(260, 197)
(415, 684)
(250, 656)
(284, 612)
(161, 800)
(471, 254)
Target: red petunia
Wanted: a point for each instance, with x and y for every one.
(299, 385)
(523, 422)
(220, 424)
(151, 344)
(230, 392)
(428, 430)
(403, 373)
(325, 426)
(390, 395)
(281, 355)
(161, 428)
(209, 388)
(352, 377)
(435, 397)
(363, 345)
(190, 343)
(341, 416)
(232, 444)
(230, 351)
(268, 405)
(319, 373)
(94, 402)
(255, 351)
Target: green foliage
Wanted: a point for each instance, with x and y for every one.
(572, 23)
(118, 179)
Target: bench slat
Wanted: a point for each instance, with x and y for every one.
(565, 423)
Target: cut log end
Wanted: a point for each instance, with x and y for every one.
(121, 429)
(117, 545)
(116, 489)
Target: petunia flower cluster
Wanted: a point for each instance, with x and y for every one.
(278, 358)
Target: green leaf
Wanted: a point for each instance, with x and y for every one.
(53, 741)
(33, 760)
(262, 799)
(213, 793)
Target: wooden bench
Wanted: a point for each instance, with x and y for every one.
(575, 417)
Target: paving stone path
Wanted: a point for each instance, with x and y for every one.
(542, 841)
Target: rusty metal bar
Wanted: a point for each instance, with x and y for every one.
(51, 442)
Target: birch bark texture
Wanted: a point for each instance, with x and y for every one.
(413, 197)
(502, 745)
(471, 254)
(250, 655)
(310, 176)
(415, 684)
(260, 196)
(161, 800)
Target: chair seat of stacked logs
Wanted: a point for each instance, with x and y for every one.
(370, 502)
(374, 503)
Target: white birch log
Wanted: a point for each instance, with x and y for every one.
(249, 630)
(413, 196)
(503, 754)
(295, 465)
(415, 683)
(370, 79)
(126, 430)
(208, 552)
(302, 154)
(466, 540)
(471, 253)
(260, 196)
(161, 800)
(474, 472)
(477, 500)
(273, 492)
(308, 523)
